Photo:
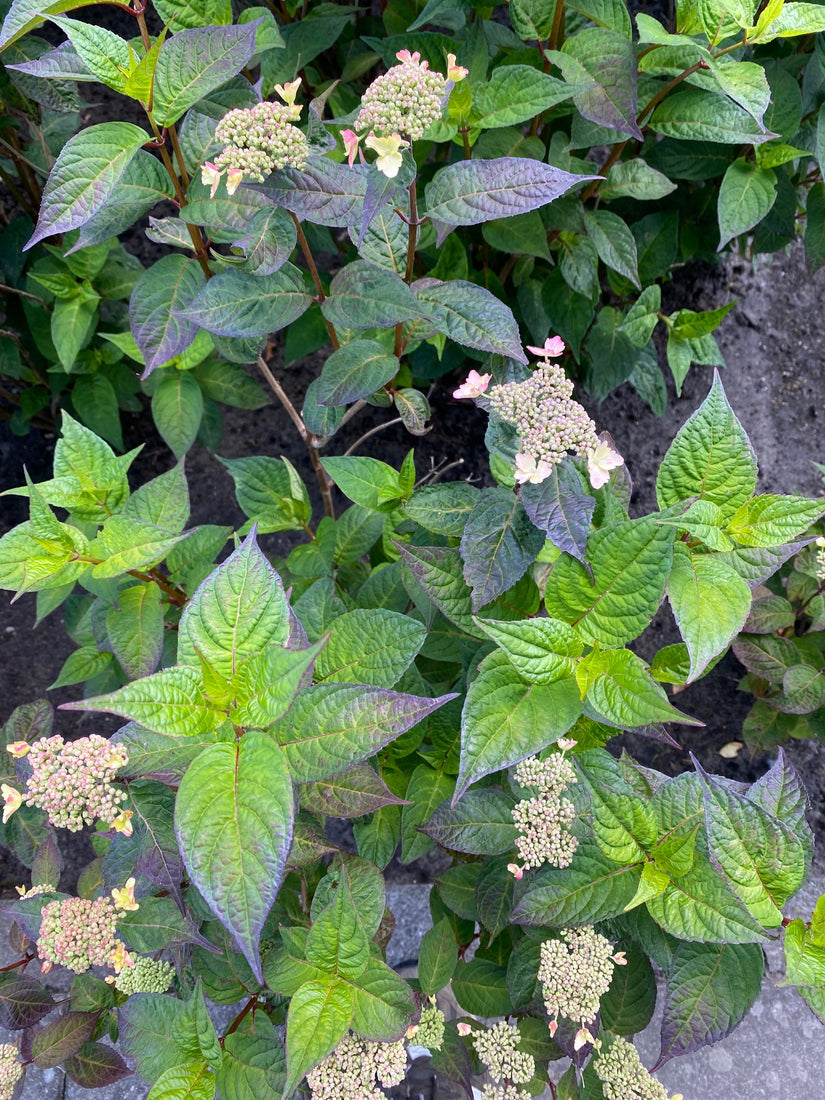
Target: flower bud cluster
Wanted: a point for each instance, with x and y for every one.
(261, 139)
(504, 1092)
(820, 558)
(78, 934)
(496, 1047)
(549, 422)
(11, 1070)
(430, 1033)
(147, 975)
(544, 821)
(72, 780)
(405, 100)
(575, 972)
(351, 1070)
(623, 1076)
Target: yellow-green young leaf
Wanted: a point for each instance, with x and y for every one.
(369, 646)
(703, 520)
(772, 520)
(624, 824)
(192, 1081)
(240, 608)
(746, 195)
(591, 889)
(505, 719)
(266, 683)
(384, 1003)
(540, 650)
(652, 883)
(674, 854)
(319, 1016)
(789, 21)
(619, 688)
(141, 78)
(170, 702)
(195, 1020)
(194, 13)
(711, 457)
(135, 629)
(804, 957)
(710, 988)
(84, 664)
(233, 821)
(636, 180)
(337, 942)
(630, 562)
(125, 543)
(710, 603)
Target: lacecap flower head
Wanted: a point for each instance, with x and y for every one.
(11, 1070)
(258, 140)
(406, 100)
(353, 1070)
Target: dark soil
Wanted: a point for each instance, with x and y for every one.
(775, 380)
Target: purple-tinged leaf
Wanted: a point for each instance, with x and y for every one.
(481, 823)
(755, 564)
(85, 175)
(472, 316)
(780, 793)
(28, 722)
(233, 820)
(354, 370)
(236, 304)
(141, 187)
(95, 1066)
(364, 295)
(24, 15)
(473, 191)
(166, 286)
(23, 1001)
(61, 63)
(157, 924)
(151, 852)
(62, 1038)
(709, 991)
(561, 508)
(193, 63)
(161, 756)
(383, 190)
(357, 791)
(331, 726)
(324, 193)
(268, 242)
(498, 546)
(608, 58)
(47, 863)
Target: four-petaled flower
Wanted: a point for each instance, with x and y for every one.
(120, 957)
(389, 158)
(123, 823)
(407, 58)
(565, 743)
(288, 92)
(527, 469)
(455, 72)
(125, 899)
(12, 801)
(475, 385)
(516, 871)
(210, 177)
(553, 348)
(601, 459)
(583, 1036)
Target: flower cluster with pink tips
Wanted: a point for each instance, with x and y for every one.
(71, 781)
(497, 1047)
(78, 933)
(544, 820)
(575, 972)
(351, 1070)
(11, 1070)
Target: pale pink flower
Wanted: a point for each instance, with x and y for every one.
(18, 748)
(120, 957)
(566, 743)
(516, 871)
(455, 72)
(601, 459)
(553, 1026)
(210, 177)
(233, 180)
(389, 157)
(475, 385)
(350, 140)
(620, 959)
(12, 801)
(528, 470)
(123, 823)
(407, 58)
(553, 348)
(583, 1036)
(463, 1029)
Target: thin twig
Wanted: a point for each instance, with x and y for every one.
(438, 472)
(373, 431)
(279, 392)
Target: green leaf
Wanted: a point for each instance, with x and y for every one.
(194, 13)
(428, 788)
(772, 520)
(147, 1034)
(540, 650)
(163, 501)
(440, 572)
(814, 232)
(254, 1063)
(804, 956)
(357, 791)
(266, 492)
(366, 481)
(629, 561)
(233, 819)
(746, 194)
(437, 958)
(591, 889)
(471, 316)
(384, 1003)
(84, 176)
(229, 384)
(710, 458)
(620, 689)
(195, 62)
(125, 543)
(157, 924)
(84, 664)
(605, 59)
(561, 508)
(353, 371)
(331, 726)
(634, 179)
(442, 509)
(61, 1038)
(236, 304)
(364, 295)
(515, 94)
(710, 989)
(481, 824)
(505, 720)
(499, 544)
(614, 243)
(170, 702)
(320, 1014)
(700, 906)
(696, 115)
(103, 53)
(266, 683)
(480, 987)
(177, 409)
(370, 646)
(337, 942)
(628, 1005)
(523, 234)
(532, 19)
(762, 858)
(190, 1081)
(710, 603)
(135, 629)
(240, 608)
(155, 317)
